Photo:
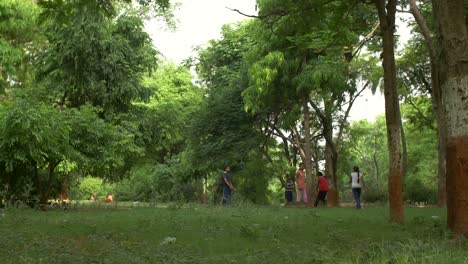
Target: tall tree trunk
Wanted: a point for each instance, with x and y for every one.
(307, 148)
(386, 12)
(453, 78)
(436, 100)
(330, 157)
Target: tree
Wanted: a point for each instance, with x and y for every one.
(426, 30)
(222, 132)
(453, 77)
(302, 59)
(96, 55)
(164, 120)
(18, 38)
(386, 12)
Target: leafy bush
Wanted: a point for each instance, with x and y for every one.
(91, 185)
(374, 195)
(416, 191)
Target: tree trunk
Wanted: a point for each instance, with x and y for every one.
(453, 78)
(404, 157)
(330, 159)
(436, 100)
(45, 191)
(386, 13)
(330, 171)
(307, 149)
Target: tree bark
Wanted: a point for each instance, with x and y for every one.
(308, 149)
(386, 12)
(331, 157)
(436, 100)
(453, 78)
(404, 157)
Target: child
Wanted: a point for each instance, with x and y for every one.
(289, 186)
(301, 186)
(322, 189)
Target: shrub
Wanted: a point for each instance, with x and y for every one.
(416, 191)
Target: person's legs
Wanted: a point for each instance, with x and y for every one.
(323, 195)
(289, 197)
(357, 197)
(298, 195)
(226, 196)
(304, 196)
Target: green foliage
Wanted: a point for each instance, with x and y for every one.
(418, 192)
(364, 145)
(164, 120)
(18, 30)
(253, 180)
(90, 186)
(33, 134)
(94, 56)
(221, 131)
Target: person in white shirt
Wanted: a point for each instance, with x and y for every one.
(356, 184)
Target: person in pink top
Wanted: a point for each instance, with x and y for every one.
(301, 186)
(322, 189)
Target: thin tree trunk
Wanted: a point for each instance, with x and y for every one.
(436, 99)
(386, 13)
(453, 78)
(307, 148)
(404, 157)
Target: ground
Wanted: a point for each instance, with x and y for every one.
(247, 234)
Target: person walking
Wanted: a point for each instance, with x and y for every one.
(301, 186)
(322, 189)
(356, 185)
(228, 187)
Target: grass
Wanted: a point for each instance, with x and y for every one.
(249, 234)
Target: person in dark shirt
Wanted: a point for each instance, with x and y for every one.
(227, 185)
(289, 186)
(322, 189)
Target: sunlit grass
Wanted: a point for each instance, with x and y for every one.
(198, 234)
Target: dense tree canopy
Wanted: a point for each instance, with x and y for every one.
(88, 104)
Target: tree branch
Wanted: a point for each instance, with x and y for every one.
(366, 39)
(280, 13)
(345, 117)
(318, 111)
(298, 143)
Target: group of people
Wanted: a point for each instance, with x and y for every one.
(225, 187)
(301, 192)
(322, 187)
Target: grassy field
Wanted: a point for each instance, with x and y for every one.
(249, 234)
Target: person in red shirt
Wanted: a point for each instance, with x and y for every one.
(322, 189)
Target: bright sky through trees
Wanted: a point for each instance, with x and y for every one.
(201, 20)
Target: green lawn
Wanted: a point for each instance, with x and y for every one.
(226, 235)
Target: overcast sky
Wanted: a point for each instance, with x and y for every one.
(201, 20)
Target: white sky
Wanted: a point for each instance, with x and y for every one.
(201, 20)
